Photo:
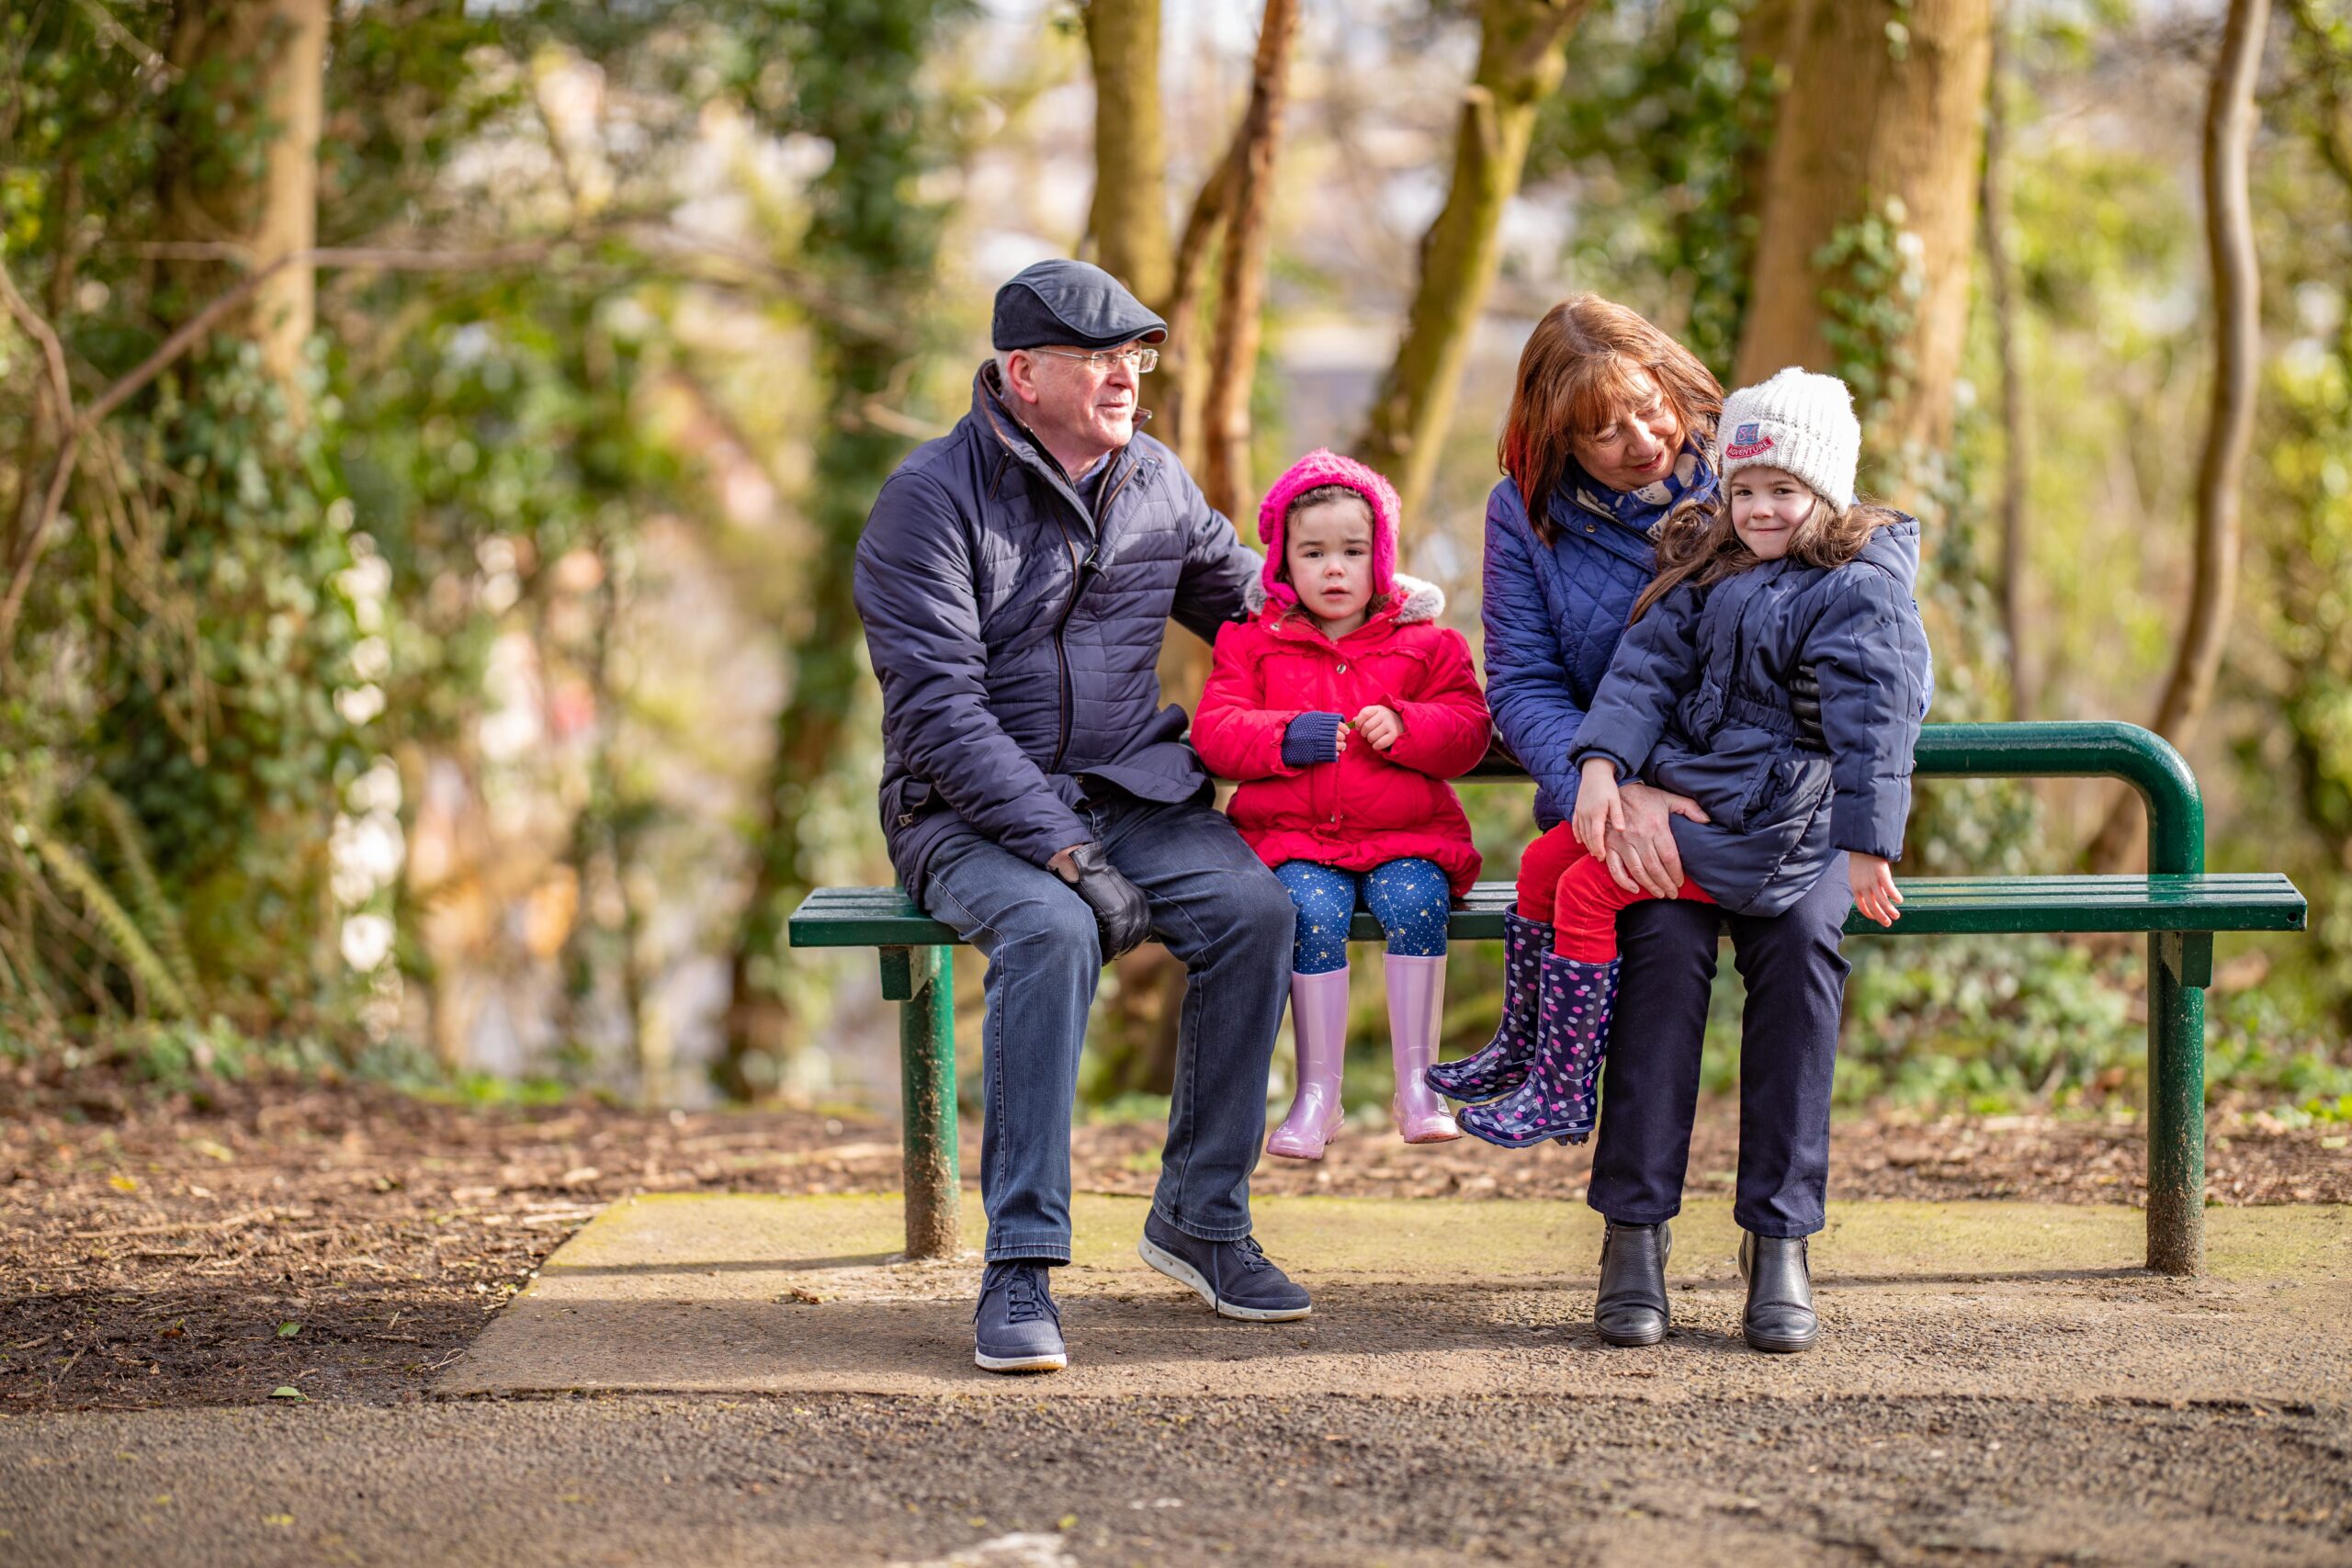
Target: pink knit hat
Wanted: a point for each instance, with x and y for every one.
(1322, 466)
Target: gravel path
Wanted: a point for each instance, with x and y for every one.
(1402, 1480)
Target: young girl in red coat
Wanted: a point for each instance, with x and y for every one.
(1342, 707)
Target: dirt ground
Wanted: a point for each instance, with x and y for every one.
(1020, 1483)
(347, 1241)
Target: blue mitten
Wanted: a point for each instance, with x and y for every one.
(1312, 737)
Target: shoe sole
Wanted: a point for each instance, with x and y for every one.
(1630, 1341)
(1019, 1363)
(1184, 1274)
(1530, 1141)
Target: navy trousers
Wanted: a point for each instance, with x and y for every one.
(1788, 1052)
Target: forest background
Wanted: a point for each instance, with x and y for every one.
(432, 437)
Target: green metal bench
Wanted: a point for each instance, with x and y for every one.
(2177, 903)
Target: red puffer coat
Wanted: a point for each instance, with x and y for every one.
(1369, 807)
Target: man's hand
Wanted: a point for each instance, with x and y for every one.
(1121, 914)
(1642, 856)
(1379, 726)
(1872, 880)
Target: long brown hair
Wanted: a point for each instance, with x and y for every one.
(1574, 376)
(1697, 544)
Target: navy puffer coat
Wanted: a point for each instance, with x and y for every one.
(1017, 638)
(1697, 702)
(1553, 615)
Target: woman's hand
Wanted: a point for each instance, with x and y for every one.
(1380, 726)
(1600, 810)
(1873, 879)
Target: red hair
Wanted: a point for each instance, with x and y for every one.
(1576, 375)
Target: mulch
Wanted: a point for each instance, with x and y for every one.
(346, 1241)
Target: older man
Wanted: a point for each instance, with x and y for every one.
(1016, 578)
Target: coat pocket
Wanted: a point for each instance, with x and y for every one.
(907, 801)
(1734, 780)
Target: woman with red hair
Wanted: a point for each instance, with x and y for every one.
(1607, 434)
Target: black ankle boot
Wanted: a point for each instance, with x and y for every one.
(1780, 1319)
(1631, 1306)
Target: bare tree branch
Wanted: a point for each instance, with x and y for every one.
(31, 540)
(2230, 123)
(1241, 287)
(2001, 269)
(52, 349)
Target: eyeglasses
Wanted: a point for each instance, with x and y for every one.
(1140, 360)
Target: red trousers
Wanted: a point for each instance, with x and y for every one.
(1559, 882)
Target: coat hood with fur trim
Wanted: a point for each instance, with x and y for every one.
(1413, 599)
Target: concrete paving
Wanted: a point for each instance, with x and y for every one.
(747, 1294)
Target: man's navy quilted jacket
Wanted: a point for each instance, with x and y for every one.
(1017, 638)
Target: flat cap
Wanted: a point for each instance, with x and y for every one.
(1057, 302)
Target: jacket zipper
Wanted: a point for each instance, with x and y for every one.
(1341, 761)
(1080, 572)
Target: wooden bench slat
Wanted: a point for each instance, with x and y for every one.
(2226, 901)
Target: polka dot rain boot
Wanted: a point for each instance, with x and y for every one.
(1500, 1065)
(1559, 1099)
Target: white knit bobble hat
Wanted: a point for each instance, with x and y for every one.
(1799, 422)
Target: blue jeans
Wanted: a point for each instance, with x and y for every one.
(1219, 910)
(1788, 1054)
(1410, 897)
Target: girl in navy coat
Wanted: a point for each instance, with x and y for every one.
(1778, 568)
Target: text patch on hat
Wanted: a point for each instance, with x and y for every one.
(1748, 441)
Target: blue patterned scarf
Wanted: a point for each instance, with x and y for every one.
(1643, 510)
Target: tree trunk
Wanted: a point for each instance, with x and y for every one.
(2230, 121)
(1130, 216)
(1241, 291)
(1522, 47)
(884, 251)
(2016, 459)
(1876, 142)
(1195, 393)
(259, 67)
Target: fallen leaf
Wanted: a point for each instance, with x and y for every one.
(803, 1294)
(288, 1391)
(287, 1330)
(283, 1521)
(1067, 1523)
(123, 1182)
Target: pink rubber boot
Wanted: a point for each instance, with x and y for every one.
(1416, 1010)
(1318, 1023)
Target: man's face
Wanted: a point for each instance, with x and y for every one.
(1075, 403)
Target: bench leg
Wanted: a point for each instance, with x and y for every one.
(921, 981)
(2180, 965)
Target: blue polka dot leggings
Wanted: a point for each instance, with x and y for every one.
(1409, 898)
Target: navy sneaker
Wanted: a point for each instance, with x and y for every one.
(1017, 1327)
(1234, 1277)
